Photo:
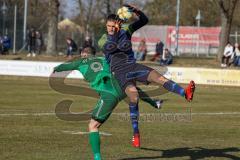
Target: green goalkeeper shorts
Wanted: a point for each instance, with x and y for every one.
(110, 95)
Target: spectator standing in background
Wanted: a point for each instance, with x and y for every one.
(141, 53)
(228, 53)
(5, 44)
(39, 42)
(167, 58)
(236, 52)
(71, 47)
(158, 50)
(31, 43)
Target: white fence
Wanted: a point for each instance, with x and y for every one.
(179, 74)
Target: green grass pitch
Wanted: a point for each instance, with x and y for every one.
(209, 127)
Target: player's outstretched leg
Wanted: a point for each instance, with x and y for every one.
(171, 86)
(94, 138)
(132, 93)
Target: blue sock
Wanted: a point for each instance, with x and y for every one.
(174, 87)
(134, 114)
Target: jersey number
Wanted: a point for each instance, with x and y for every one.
(96, 66)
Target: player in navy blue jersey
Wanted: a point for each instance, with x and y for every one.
(117, 47)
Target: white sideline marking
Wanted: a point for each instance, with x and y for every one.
(27, 114)
(216, 113)
(141, 114)
(83, 133)
(187, 113)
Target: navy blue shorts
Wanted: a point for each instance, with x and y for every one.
(131, 74)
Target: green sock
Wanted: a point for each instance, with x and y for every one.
(97, 156)
(94, 140)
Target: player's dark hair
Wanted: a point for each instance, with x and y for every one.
(113, 17)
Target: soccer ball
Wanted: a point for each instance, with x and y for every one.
(124, 13)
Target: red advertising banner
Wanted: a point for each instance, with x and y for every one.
(195, 40)
(204, 36)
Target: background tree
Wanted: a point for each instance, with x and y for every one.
(236, 19)
(35, 17)
(92, 14)
(227, 11)
(162, 12)
(52, 26)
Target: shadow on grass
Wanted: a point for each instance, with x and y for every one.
(196, 153)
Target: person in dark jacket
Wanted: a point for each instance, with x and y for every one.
(39, 42)
(158, 50)
(5, 44)
(167, 58)
(71, 47)
(31, 43)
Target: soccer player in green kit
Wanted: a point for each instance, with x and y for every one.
(95, 70)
